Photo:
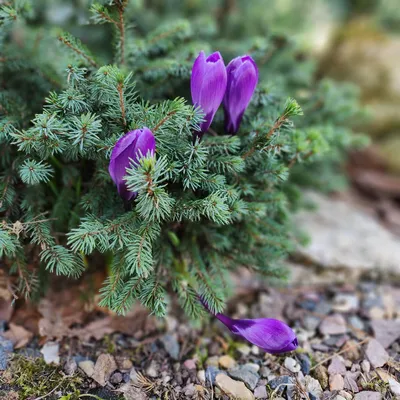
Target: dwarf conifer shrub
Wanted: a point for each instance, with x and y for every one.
(204, 205)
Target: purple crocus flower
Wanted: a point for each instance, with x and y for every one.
(208, 85)
(128, 150)
(271, 335)
(242, 81)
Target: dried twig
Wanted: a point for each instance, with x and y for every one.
(340, 352)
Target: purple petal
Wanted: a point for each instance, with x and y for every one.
(271, 335)
(121, 152)
(146, 143)
(208, 85)
(242, 81)
(129, 148)
(196, 79)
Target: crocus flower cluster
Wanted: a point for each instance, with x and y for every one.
(271, 335)
(126, 152)
(211, 83)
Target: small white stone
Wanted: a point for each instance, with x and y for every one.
(151, 370)
(365, 366)
(87, 367)
(50, 353)
(336, 382)
(133, 375)
(226, 362)
(244, 349)
(255, 350)
(254, 367)
(348, 363)
(202, 375)
(292, 365)
(260, 392)
(344, 302)
(394, 386)
(346, 395)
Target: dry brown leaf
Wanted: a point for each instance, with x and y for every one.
(6, 309)
(137, 324)
(18, 335)
(27, 315)
(59, 323)
(62, 309)
(67, 312)
(96, 329)
(6, 298)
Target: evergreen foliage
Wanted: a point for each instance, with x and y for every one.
(204, 207)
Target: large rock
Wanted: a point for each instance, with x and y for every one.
(366, 55)
(345, 241)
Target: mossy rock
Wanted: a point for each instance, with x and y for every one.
(32, 378)
(365, 55)
(390, 150)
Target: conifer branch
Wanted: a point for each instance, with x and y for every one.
(121, 26)
(197, 208)
(66, 40)
(121, 101)
(165, 119)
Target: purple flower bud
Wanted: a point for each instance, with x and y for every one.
(208, 85)
(271, 335)
(242, 81)
(128, 150)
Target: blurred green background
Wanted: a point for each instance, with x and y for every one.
(353, 40)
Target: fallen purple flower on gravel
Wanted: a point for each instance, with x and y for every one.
(127, 151)
(242, 75)
(271, 335)
(208, 85)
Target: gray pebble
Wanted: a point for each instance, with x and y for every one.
(265, 372)
(212, 372)
(305, 363)
(245, 374)
(70, 366)
(310, 322)
(282, 382)
(6, 347)
(171, 345)
(356, 322)
(152, 370)
(116, 378)
(3, 359)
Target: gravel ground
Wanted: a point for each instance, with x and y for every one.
(349, 339)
